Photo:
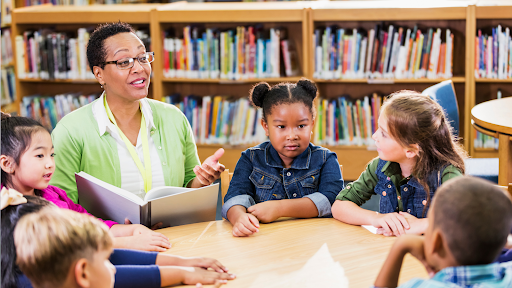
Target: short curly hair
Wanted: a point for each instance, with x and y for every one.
(96, 53)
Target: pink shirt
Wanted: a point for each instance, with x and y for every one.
(59, 197)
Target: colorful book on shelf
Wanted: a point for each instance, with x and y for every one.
(46, 54)
(344, 121)
(234, 54)
(221, 119)
(50, 109)
(383, 52)
(493, 52)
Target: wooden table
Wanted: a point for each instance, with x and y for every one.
(494, 118)
(285, 246)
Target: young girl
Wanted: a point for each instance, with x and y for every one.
(27, 166)
(417, 152)
(303, 177)
(68, 236)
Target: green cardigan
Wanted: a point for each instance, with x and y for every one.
(80, 147)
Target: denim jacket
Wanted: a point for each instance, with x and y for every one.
(259, 176)
(396, 193)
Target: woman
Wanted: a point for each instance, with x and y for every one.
(124, 138)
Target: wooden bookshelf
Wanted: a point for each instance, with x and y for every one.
(300, 19)
(69, 19)
(490, 13)
(359, 14)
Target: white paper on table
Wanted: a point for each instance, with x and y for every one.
(319, 271)
(370, 228)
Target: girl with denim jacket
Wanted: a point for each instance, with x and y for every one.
(305, 178)
(417, 153)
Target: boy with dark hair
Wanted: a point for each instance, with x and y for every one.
(469, 222)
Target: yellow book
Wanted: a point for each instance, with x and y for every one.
(216, 101)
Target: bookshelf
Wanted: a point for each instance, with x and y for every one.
(7, 65)
(291, 17)
(488, 15)
(299, 19)
(68, 19)
(362, 16)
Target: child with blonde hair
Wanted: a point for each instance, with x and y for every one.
(417, 153)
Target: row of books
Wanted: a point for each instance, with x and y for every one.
(239, 53)
(395, 52)
(484, 141)
(48, 110)
(7, 85)
(7, 55)
(221, 119)
(46, 54)
(493, 54)
(344, 121)
(77, 2)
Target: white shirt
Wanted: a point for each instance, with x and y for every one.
(131, 179)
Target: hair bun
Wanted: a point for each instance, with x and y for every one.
(308, 86)
(258, 93)
(5, 116)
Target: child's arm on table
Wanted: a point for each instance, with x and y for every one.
(269, 211)
(388, 275)
(171, 275)
(136, 236)
(200, 262)
(244, 224)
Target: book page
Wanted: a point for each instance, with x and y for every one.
(164, 191)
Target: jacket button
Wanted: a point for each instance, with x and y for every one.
(348, 187)
(409, 211)
(383, 193)
(152, 132)
(405, 189)
(159, 147)
(288, 174)
(424, 202)
(389, 185)
(164, 163)
(294, 194)
(398, 197)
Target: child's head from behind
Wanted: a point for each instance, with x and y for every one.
(469, 222)
(10, 217)
(27, 154)
(63, 248)
(288, 115)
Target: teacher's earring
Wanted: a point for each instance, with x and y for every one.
(103, 85)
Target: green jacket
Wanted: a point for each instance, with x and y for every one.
(80, 147)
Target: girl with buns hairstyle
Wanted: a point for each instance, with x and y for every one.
(304, 178)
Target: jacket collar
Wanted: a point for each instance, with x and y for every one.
(273, 159)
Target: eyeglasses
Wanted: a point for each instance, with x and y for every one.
(127, 63)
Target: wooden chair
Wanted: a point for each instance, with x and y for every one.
(225, 179)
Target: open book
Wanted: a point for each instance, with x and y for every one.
(170, 205)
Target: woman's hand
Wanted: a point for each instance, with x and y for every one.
(209, 171)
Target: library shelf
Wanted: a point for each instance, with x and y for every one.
(393, 80)
(491, 80)
(225, 81)
(57, 81)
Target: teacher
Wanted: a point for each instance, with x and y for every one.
(124, 138)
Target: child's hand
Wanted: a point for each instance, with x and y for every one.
(205, 263)
(417, 226)
(245, 225)
(194, 275)
(414, 244)
(266, 212)
(391, 223)
(153, 241)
